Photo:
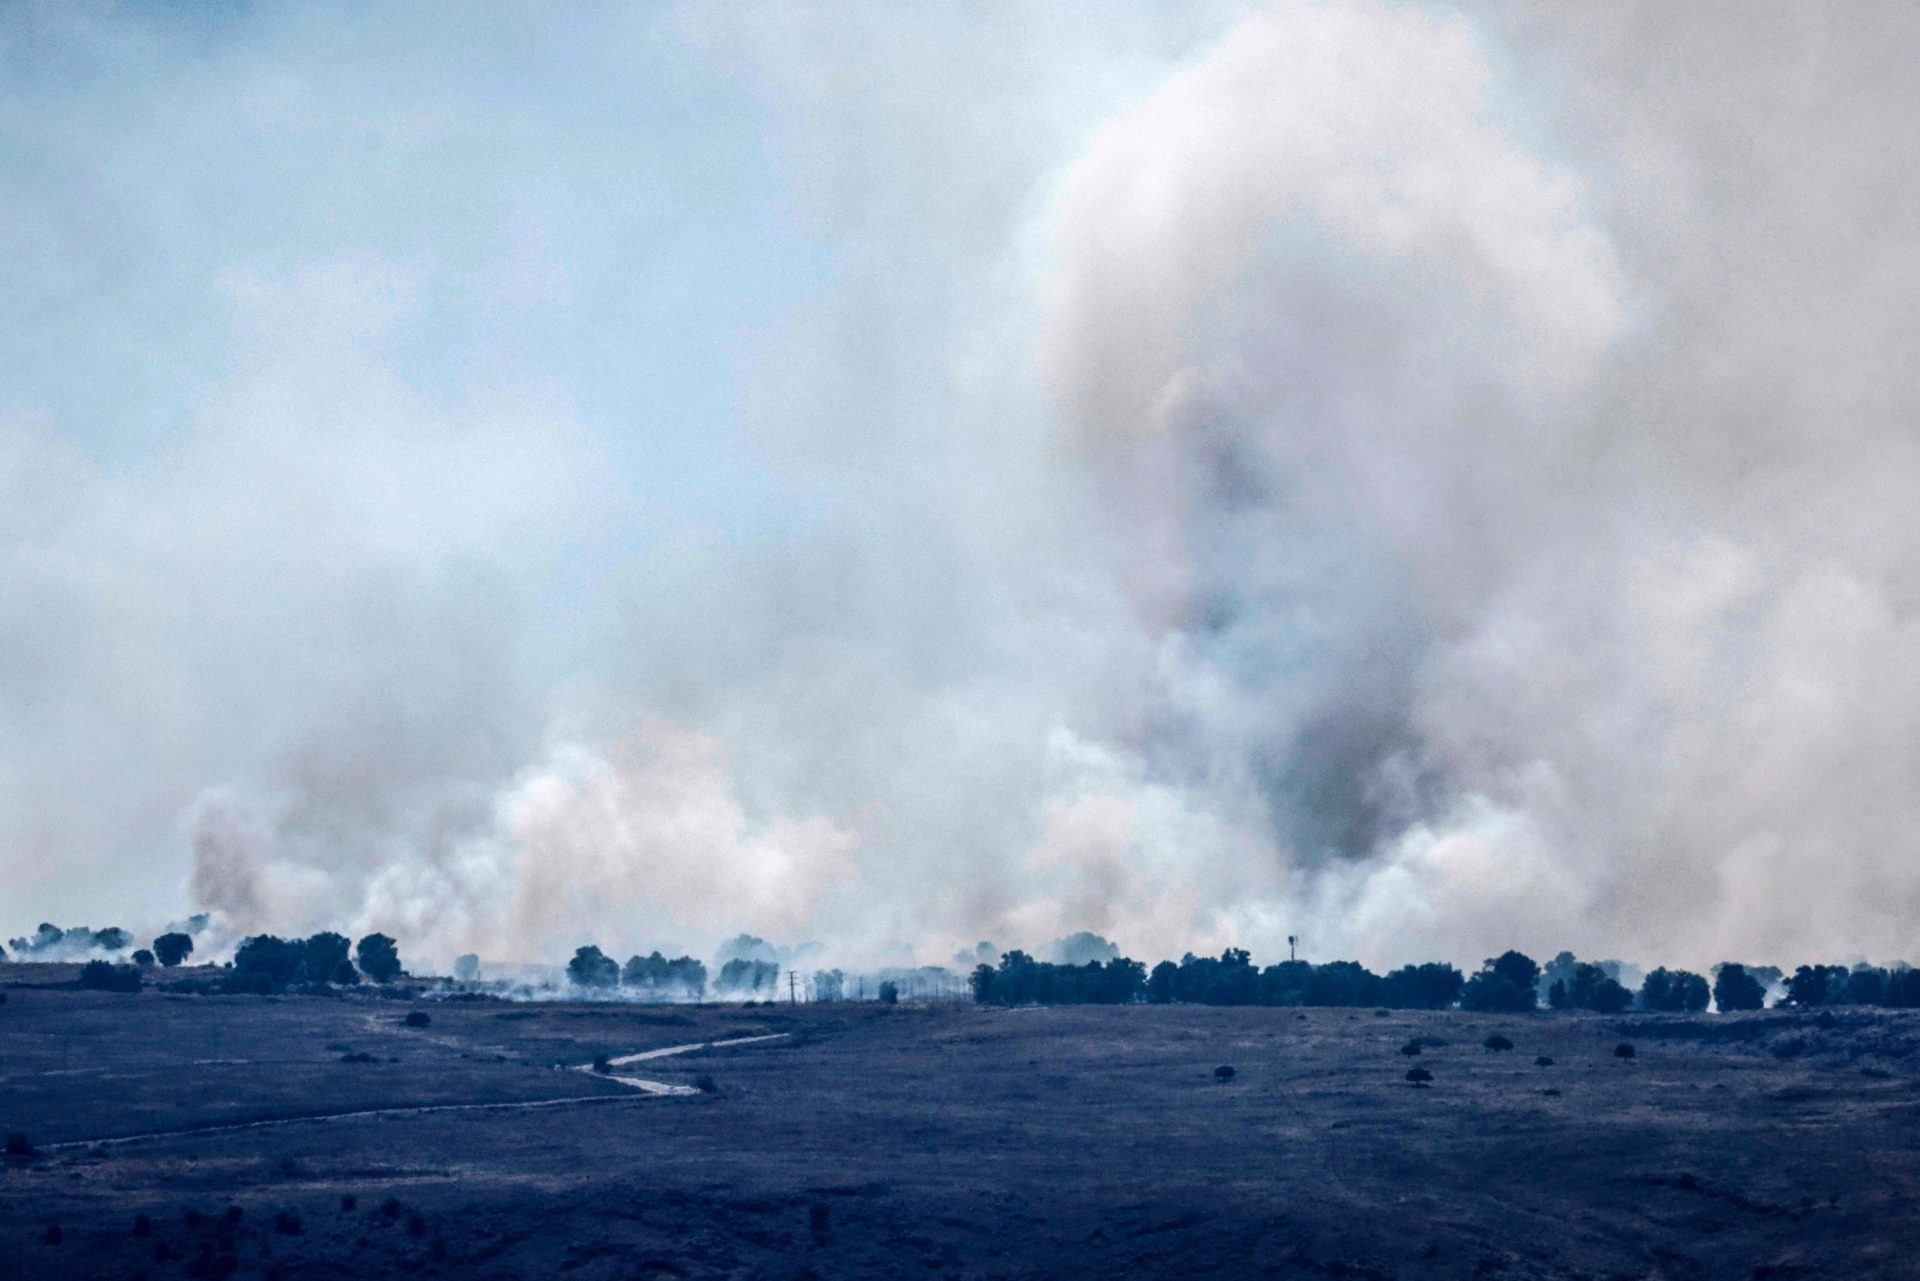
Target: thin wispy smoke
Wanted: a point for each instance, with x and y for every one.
(1426, 481)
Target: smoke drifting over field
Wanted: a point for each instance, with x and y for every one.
(1427, 482)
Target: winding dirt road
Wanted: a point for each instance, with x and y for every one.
(647, 1089)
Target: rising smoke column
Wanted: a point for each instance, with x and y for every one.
(1423, 481)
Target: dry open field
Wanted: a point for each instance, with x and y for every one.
(946, 1142)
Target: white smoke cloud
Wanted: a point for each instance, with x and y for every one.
(1425, 481)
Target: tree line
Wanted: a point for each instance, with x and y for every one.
(1510, 982)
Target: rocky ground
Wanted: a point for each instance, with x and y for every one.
(316, 1137)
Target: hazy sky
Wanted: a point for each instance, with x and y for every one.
(1425, 480)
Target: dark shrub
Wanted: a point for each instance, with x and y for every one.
(590, 967)
(1410, 1049)
(602, 1064)
(19, 1145)
(379, 958)
(142, 1226)
(1624, 1050)
(104, 976)
(889, 993)
(142, 958)
(1735, 989)
(1497, 1042)
(348, 1201)
(53, 1235)
(706, 1084)
(390, 1208)
(1545, 1060)
(171, 949)
(358, 1056)
(1223, 1073)
(1419, 1076)
(416, 1225)
(417, 1018)
(287, 1224)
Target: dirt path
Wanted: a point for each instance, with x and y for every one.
(668, 1088)
(649, 1089)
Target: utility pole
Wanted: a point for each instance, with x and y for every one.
(793, 997)
(1291, 940)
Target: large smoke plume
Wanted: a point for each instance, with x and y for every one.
(1423, 481)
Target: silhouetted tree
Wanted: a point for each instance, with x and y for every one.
(980, 982)
(378, 957)
(1867, 985)
(1506, 983)
(326, 953)
(889, 993)
(1432, 986)
(173, 948)
(590, 967)
(1160, 983)
(269, 960)
(1346, 984)
(1589, 988)
(1812, 985)
(1735, 989)
(142, 958)
(749, 977)
(1674, 992)
(1903, 988)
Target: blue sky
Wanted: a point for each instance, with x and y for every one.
(604, 219)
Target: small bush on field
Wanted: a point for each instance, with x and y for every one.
(889, 993)
(1410, 1049)
(1419, 1076)
(1223, 1073)
(1624, 1050)
(1497, 1042)
(602, 1064)
(19, 1144)
(418, 1018)
(348, 1201)
(142, 1226)
(53, 1234)
(1545, 1060)
(287, 1224)
(706, 1084)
